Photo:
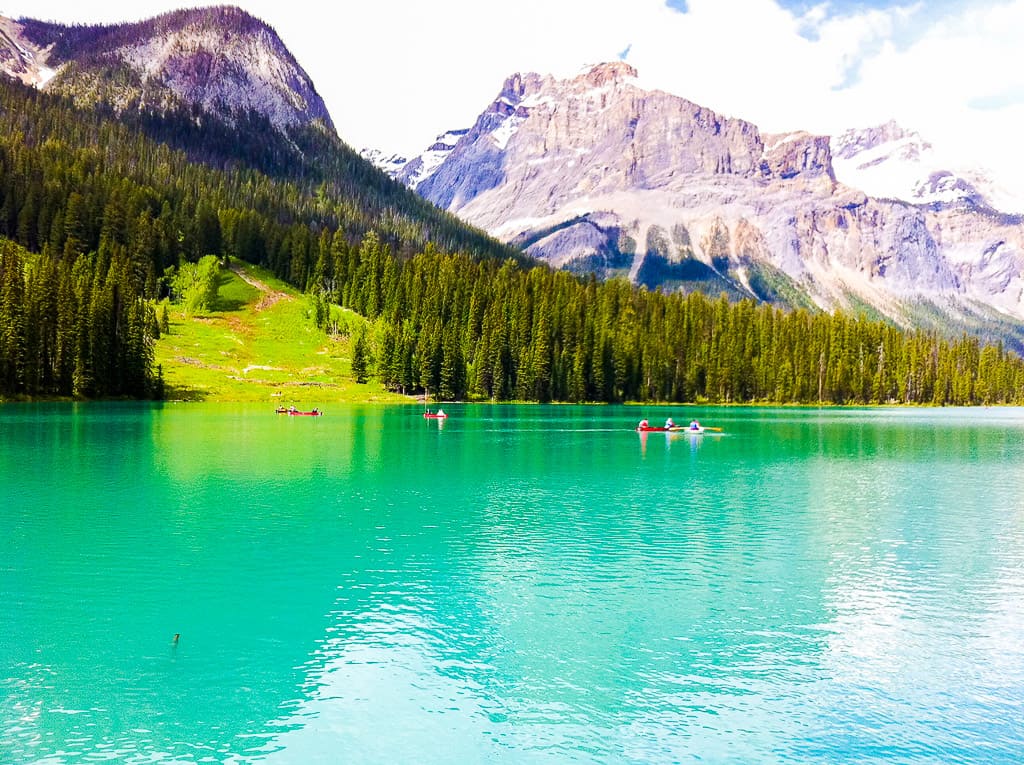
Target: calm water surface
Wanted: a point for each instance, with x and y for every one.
(514, 585)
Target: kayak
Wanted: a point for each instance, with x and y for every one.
(314, 413)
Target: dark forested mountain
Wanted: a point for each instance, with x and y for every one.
(221, 60)
(220, 86)
(103, 192)
(134, 148)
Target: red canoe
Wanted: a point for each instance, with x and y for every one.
(673, 429)
(432, 416)
(296, 413)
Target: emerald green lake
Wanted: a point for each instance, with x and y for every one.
(531, 584)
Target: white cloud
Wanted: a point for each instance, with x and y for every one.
(937, 82)
(396, 72)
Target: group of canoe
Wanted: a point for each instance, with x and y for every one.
(644, 426)
(694, 427)
(294, 412)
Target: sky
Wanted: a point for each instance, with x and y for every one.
(396, 73)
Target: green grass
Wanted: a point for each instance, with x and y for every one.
(250, 348)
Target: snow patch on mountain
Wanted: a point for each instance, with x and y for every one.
(891, 162)
(504, 132)
(45, 75)
(424, 167)
(391, 164)
(413, 172)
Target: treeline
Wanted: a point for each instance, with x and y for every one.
(75, 40)
(464, 329)
(74, 328)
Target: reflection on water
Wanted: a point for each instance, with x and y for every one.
(518, 584)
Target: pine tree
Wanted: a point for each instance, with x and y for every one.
(12, 321)
(360, 358)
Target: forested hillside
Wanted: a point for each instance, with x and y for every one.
(181, 172)
(487, 330)
(102, 211)
(106, 206)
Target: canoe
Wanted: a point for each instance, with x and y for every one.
(673, 429)
(314, 413)
(432, 416)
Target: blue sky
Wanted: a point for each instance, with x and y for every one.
(852, 7)
(837, 7)
(395, 73)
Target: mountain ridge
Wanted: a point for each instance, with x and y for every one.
(594, 173)
(219, 58)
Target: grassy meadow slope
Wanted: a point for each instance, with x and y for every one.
(259, 343)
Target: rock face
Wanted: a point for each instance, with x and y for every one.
(596, 174)
(20, 58)
(219, 59)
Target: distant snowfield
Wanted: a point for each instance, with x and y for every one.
(45, 75)
(909, 169)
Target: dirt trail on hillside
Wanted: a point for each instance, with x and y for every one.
(270, 296)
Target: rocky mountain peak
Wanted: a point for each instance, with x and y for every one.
(851, 142)
(600, 131)
(513, 89)
(609, 73)
(594, 173)
(220, 58)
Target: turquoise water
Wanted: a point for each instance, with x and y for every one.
(517, 585)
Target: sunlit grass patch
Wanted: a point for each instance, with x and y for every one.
(255, 347)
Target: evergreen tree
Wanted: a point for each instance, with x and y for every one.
(12, 321)
(360, 358)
